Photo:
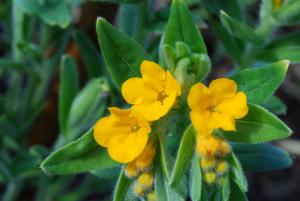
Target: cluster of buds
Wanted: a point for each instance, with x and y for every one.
(141, 170)
(212, 151)
(187, 66)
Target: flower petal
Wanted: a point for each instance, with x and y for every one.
(223, 120)
(172, 85)
(236, 107)
(152, 111)
(199, 97)
(135, 91)
(222, 88)
(126, 148)
(201, 121)
(153, 75)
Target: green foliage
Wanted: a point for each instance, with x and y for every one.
(261, 82)
(122, 54)
(195, 179)
(122, 187)
(258, 126)
(82, 155)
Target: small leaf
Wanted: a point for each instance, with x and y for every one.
(275, 105)
(90, 56)
(261, 82)
(122, 187)
(258, 126)
(237, 173)
(239, 29)
(79, 156)
(288, 12)
(68, 89)
(261, 157)
(122, 54)
(195, 180)
(184, 156)
(226, 188)
(180, 27)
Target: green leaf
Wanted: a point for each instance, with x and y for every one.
(127, 18)
(226, 188)
(79, 156)
(184, 156)
(237, 173)
(87, 107)
(195, 180)
(288, 12)
(120, 1)
(180, 27)
(162, 188)
(261, 82)
(68, 89)
(258, 126)
(239, 29)
(122, 54)
(236, 194)
(291, 53)
(275, 105)
(90, 56)
(261, 157)
(122, 187)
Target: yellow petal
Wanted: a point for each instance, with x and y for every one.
(153, 75)
(199, 97)
(222, 120)
(172, 85)
(236, 107)
(135, 91)
(152, 111)
(125, 148)
(102, 131)
(202, 121)
(222, 88)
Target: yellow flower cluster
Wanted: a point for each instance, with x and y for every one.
(215, 107)
(125, 132)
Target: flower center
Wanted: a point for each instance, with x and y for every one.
(135, 128)
(212, 108)
(161, 96)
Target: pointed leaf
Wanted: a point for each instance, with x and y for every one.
(258, 126)
(180, 27)
(79, 156)
(239, 29)
(237, 173)
(122, 55)
(67, 91)
(184, 156)
(261, 82)
(195, 180)
(261, 157)
(275, 105)
(122, 187)
(226, 188)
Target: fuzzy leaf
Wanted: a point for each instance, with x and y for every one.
(195, 180)
(239, 29)
(226, 188)
(79, 156)
(261, 157)
(122, 187)
(184, 156)
(180, 27)
(122, 55)
(261, 82)
(258, 126)
(237, 173)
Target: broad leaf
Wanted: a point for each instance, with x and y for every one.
(239, 29)
(291, 53)
(122, 55)
(258, 126)
(180, 27)
(275, 105)
(89, 54)
(79, 156)
(184, 156)
(195, 179)
(261, 82)
(68, 89)
(261, 157)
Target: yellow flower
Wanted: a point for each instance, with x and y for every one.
(131, 170)
(209, 146)
(208, 163)
(216, 106)
(146, 180)
(145, 159)
(154, 94)
(210, 177)
(222, 167)
(124, 133)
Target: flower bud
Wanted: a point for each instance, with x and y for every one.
(131, 170)
(138, 190)
(151, 196)
(222, 167)
(208, 163)
(210, 177)
(145, 180)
